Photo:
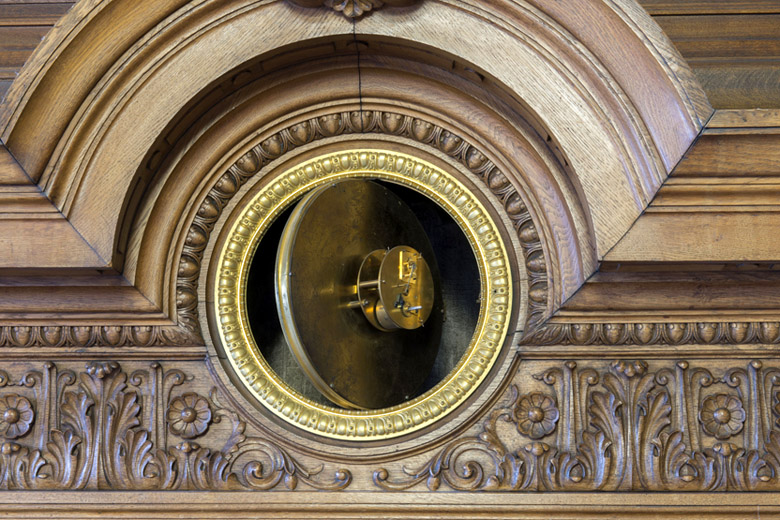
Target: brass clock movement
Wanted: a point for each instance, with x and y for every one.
(356, 295)
(362, 294)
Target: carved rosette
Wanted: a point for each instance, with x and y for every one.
(535, 415)
(189, 416)
(16, 416)
(722, 416)
(353, 8)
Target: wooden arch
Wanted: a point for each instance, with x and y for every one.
(131, 110)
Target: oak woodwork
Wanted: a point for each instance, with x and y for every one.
(31, 13)
(354, 505)
(649, 149)
(629, 425)
(733, 50)
(729, 83)
(18, 43)
(640, 225)
(724, 190)
(667, 292)
(10, 171)
(742, 36)
(710, 7)
(744, 118)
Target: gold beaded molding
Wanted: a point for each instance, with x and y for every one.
(235, 258)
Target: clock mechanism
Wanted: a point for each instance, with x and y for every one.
(361, 295)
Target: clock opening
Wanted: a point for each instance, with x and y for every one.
(316, 309)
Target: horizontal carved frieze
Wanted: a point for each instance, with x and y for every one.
(562, 426)
(702, 333)
(97, 336)
(625, 425)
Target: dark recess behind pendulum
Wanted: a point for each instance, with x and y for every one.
(460, 285)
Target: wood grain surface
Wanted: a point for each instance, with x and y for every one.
(641, 228)
(732, 45)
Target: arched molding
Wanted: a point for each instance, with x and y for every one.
(109, 96)
(213, 164)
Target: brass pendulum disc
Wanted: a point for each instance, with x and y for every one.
(330, 234)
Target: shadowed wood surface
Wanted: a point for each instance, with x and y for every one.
(703, 7)
(734, 47)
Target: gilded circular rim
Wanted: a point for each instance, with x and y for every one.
(256, 216)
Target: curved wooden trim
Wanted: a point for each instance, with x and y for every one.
(558, 72)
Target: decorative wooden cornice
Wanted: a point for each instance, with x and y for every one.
(354, 8)
(697, 333)
(87, 336)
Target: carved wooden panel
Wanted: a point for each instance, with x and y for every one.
(135, 426)
(636, 356)
(621, 425)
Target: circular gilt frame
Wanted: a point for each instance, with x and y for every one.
(255, 217)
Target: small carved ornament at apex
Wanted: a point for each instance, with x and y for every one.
(354, 8)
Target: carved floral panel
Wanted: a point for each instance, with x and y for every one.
(619, 426)
(133, 426)
(559, 426)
